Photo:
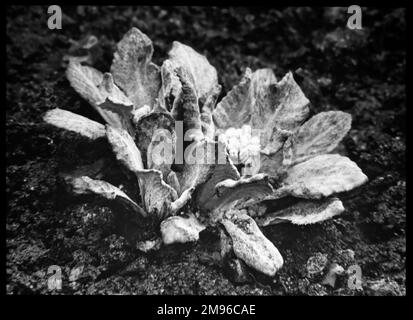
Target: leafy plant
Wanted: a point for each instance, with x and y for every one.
(284, 173)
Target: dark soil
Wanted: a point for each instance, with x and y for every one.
(358, 71)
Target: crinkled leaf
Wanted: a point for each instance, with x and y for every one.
(87, 82)
(73, 122)
(206, 197)
(276, 108)
(202, 157)
(133, 70)
(304, 212)
(262, 90)
(291, 110)
(234, 109)
(186, 109)
(155, 193)
(321, 176)
(125, 149)
(171, 85)
(116, 102)
(203, 74)
(250, 102)
(319, 135)
(230, 191)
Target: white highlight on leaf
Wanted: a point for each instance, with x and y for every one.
(319, 135)
(133, 70)
(90, 84)
(73, 122)
(304, 212)
(322, 176)
(155, 193)
(203, 74)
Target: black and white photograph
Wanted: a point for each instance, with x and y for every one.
(205, 151)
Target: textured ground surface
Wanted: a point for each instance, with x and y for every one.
(360, 72)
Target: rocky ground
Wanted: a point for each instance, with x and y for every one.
(361, 72)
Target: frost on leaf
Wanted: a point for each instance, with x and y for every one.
(262, 89)
(125, 149)
(319, 135)
(88, 81)
(234, 109)
(73, 122)
(186, 109)
(322, 176)
(155, 193)
(230, 191)
(304, 212)
(116, 102)
(204, 76)
(133, 70)
(276, 108)
(250, 245)
(292, 109)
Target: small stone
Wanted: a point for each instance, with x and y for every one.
(316, 264)
(75, 273)
(180, 229)
(149, 245)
